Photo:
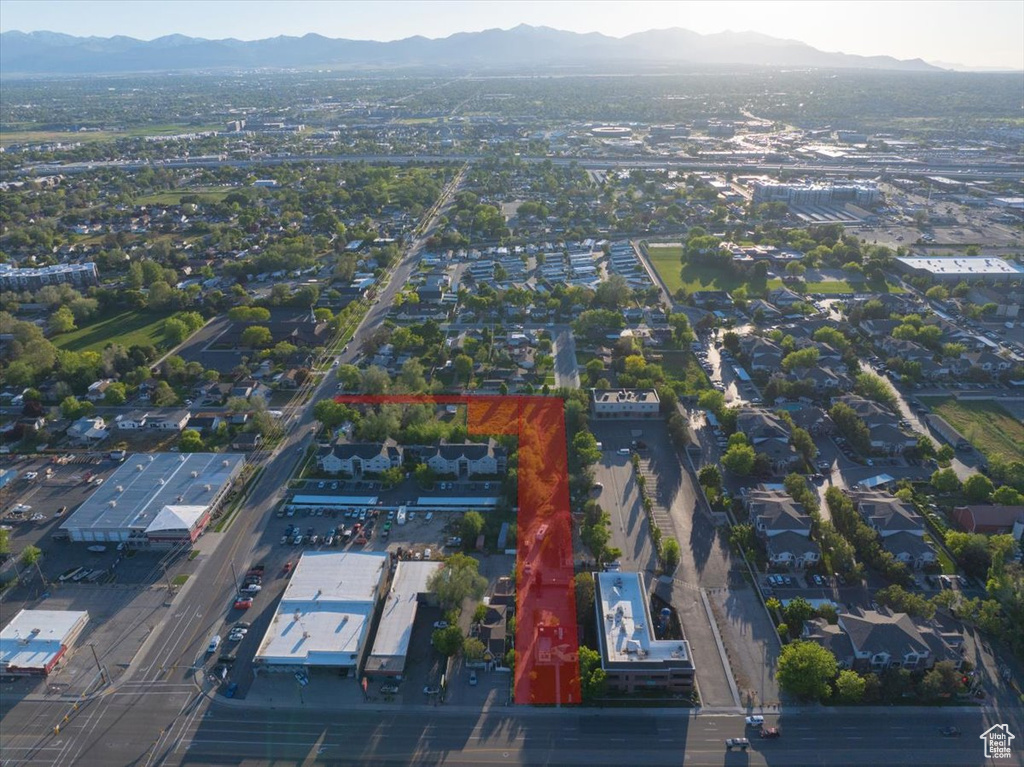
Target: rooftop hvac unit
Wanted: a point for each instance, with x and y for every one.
(296, 615)
(195, 474)
(305, 635)
(119, 488)
(180, 499)
(112, 503)
(225, 463)
(139, 467)
(152, 458)
(207, 488)
(161, 481)
(182, 459)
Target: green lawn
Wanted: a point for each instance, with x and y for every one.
(127, 329)
(986, 425)
(690, 276)
(214, 194)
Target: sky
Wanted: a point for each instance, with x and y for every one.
(972, 33)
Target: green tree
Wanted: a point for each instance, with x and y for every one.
(424, 476)
(62, 321)
(850, 687)
(945, 481)
(943, 681)
(30, 556)
(164, 395)
(795, 613)
(471, 526)
(256, 337)
(1007, 496)
(191, 442)
(978, 488)
(448, 641)
(330, 413)
(463, 365)
(945, 454)
(480, 613)
(473, 650)
(411, 379)
(175, 330)
(583, 585)
(458, 580)
(115, 394)
(710, 477)
(73, 409)
(593, 679)
(5, 542)
(900, 600)
(670, 554)
(806, 669)
(739, 459)
(584, 448)
(875, 388)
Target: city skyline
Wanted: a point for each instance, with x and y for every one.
(954, 33)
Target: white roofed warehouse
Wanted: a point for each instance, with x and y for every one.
(324, 618)
(156, 499)
(36, 640)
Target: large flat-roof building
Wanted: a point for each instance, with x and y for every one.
(33, 278)
(391, 643)
(631, 655)
(625, 403)
(957, 268)
(35, 641)
(156, 499)
(323, 620)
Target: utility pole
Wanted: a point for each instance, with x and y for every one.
(103, 675)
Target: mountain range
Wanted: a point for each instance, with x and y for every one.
(521, 48)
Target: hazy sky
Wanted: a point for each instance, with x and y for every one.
(976, 33)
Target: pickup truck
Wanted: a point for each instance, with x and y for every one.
(741, 743)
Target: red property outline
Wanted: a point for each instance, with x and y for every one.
(546, 668)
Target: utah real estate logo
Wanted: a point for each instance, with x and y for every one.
(997, 741)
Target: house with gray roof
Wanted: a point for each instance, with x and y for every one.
(464, 459)
(783, 526)
(358, 458)
(874, 640)
(900, 528)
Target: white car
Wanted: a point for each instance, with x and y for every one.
(755, 721)
(22, 508)
(440, 624)
(30, 475)
(253, 588)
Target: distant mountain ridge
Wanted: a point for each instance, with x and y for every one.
(38, 53)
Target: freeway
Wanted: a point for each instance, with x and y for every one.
(227, 734)
(909, 169)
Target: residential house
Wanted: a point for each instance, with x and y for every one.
(769, 435)
(989, 519)
(899, 526)
(205, 423)
(88, 431)
(886, 435)
(98, 388)
(784, 527)
(359, 458)
(761, 354)
(246, 441)
(136, 419)
(988, 361)
(176, 420)
(783, 298)
(875, 640)
(464, 459)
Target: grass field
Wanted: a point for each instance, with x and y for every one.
(214, 194)
(699, 277)
(127, 329)
(90, 137)
(683, 366)
(986, 425)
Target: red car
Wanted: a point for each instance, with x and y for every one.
(243, 603)
(770, 732)
(287, 567)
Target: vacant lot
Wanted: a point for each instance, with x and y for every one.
(986, 425)
(203, 194)
(127, 329)
(690, 276)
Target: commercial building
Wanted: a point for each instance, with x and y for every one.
(156, 499)
(625, 403)
(79, 275)
(814, 194)
(35, 641)
(631, 656)
(324, 618)
(957, 268)
(391, 643)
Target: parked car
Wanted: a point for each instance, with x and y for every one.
(755, 721)
(741, 743)
(388, 689)
(770, 732)
(243, 603)
(440, 624)
(472, 678)
(431, 690)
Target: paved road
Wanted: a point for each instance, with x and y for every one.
(567, 371)
(230, 735)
